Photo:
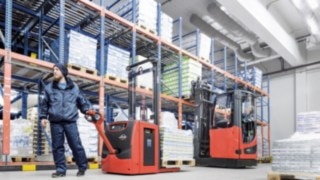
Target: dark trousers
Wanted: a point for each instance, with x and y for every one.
(58, 133)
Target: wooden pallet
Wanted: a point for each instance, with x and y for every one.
(71, 159)
(82, 69)
(292, 176)
(168, 163)
(22, 158)
(113, 78)
(264, 159)
(146, 28)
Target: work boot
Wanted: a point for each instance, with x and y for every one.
(81, 173)
(58, 174)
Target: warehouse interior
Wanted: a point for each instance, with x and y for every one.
(199, 54)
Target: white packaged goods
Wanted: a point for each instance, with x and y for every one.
(262, 146)
(80, 50)
(191, 71)
(300, 152)
(146, 12)
(122, 114)
(20, 138)
(89, 138)
(117, 61)
(176, 144)
(145, 80)
(253, 76)
(189, 43)
(308, 122)
(166, 27)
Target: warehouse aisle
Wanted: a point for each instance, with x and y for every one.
(187, 173)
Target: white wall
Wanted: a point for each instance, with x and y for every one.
(291, 93)
(282, 106)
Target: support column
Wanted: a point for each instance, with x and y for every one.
(7, 82)
(102, 72)
(61, 32)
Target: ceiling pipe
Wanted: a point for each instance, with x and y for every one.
(276, 56)
(211, 32)
(234, 28)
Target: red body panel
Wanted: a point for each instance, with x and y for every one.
(225, 141)
(134, 165)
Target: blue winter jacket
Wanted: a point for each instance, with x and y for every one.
(61, 105)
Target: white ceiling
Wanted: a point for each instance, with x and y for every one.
(288, 21)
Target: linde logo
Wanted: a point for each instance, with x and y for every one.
(123, 137)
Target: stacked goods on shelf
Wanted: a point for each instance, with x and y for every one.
(89, 138)
(40, 143)
(253, 76)
(189, 43)
(20, 139)
(116, 61)
(166, 27)
(301, 152)
(144, 80)
(80, 50)
(146, 12)
(191, 71)
(176, 144)
(262, 146)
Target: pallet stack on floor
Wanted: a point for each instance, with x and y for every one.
(20, 141)
(191, 71)
(89, 138)
(299, 154)
(176, 144)
(40, 143)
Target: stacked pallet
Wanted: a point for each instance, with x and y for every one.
(146, 13)
(20, 140)
(253, 76)
(176, 144)
(301, 152)
(191, 71)
(193, 43)
(166, 27)
(262, 146)
(89, 138)
(80, 50)
(40, 142)
(116, 61)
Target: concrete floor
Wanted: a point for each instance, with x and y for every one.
(187, 173)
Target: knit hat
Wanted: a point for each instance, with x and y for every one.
(62, 68)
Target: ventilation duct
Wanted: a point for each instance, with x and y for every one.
(211, 32)
(233, 27)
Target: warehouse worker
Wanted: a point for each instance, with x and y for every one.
(62, 99)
